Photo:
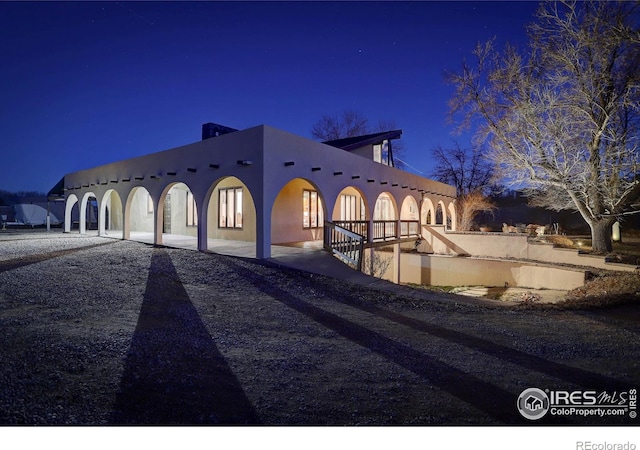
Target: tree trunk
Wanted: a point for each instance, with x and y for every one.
(601, 236)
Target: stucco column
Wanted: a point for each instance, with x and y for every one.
(102, 215)
(68, 220)
(82, 221)
(203, 244)
(263, 230)
(126, 219)
(396, 263)
(158, 221)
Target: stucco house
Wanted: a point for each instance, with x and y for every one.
(261, 185)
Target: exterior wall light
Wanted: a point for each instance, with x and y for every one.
(244, 162)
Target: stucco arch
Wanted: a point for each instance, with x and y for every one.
(176, 212)
(427, 212)
(83, 211)
(441, 214)
(385, 216)
(384, 211)
(210, 219)
(298, 212)
(342, 210)
(111, 215)
(72, 200)
(452, 222)
(409, 209)
(139, 212)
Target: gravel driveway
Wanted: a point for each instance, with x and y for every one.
(101, 331)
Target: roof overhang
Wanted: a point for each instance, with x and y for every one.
(352, 143)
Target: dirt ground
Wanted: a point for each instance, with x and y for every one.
(105, 332)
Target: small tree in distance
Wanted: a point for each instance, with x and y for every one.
(350, 124)
(471, 174)
(347, 124)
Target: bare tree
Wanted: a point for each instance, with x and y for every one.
(471, 174)
(466, 169)
(563, 117)
(347, 124)
(352, 123)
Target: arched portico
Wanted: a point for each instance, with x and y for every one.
(385, 217)
(72, 200)
(409, 217)
(176, 214)
(441, 214)
(111, 213)
(86, 214)
(298, 213)
(139, 212)
(230, 213)
(427, 212)
(257, 167)
(452, 219)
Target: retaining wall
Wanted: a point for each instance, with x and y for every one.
(507, 245)
(440, 270)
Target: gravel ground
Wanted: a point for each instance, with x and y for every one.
(98, 331)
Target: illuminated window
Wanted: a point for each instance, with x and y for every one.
(230, 208)
(347, 207)
(192, 212)
(384, 208)
(382, 153)
(312, 215)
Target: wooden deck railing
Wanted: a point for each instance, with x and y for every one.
(360, 227)
(344, 243)
(409, 228)
(383, 230)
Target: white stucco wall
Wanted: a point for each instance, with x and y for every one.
(264, 159)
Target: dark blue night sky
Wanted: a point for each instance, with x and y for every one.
(88, 83)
